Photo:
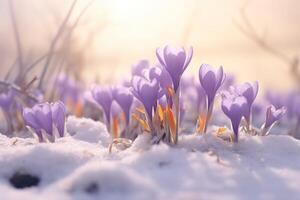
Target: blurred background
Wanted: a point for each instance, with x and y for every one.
(255, 40)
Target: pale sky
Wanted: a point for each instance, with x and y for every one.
(124, 31)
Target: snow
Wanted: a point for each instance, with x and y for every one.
(79, 166)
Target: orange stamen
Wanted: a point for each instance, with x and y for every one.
(170, 91)
(78, 109)
(142, 122)
(115, 127)
(221, 130)
(160, 113)
(201, 124)
(141, 110)
(171, 121)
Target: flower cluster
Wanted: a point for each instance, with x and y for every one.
(158, 100)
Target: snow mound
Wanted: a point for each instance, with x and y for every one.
(199, 167)
(109, 181)
(87, 130)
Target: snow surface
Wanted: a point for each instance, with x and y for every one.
(199, 167)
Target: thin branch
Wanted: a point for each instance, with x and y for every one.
(53, 43)
(80, 16)
(35, 63)
(249, 31)
(11, 69)
(18, 89)
(17, 37)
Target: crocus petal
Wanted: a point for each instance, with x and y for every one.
(43, 116)
(273, 115)
(188, 58)
(29, 119)
(124, 98)
(59, 117)
(103, 96)
(160, 56)
(234, 108)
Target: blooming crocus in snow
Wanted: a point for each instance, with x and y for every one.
(210, 81)
(147, 92)
(46, 120)
(124, 98)
(249, 91)
(234, 108)
(272, 116)
(175, 61)
(103, 97)
(165, 82)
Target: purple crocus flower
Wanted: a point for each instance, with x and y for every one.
(210, 81)
(162, 76)
(272, 115)
(175, 61)
(147, 91)
(46, 119)
(234, 108)
(124, 98)
(201, 103)
(59, 117)
(103, 97)
(249, 91)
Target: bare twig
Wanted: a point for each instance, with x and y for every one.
(66, 41)
(17, 38)
(53, 43)
(247, 28)
(11, 69)
(35, 63)
(18, 89)
(80, 16)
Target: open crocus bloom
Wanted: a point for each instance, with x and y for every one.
(272, 115)
(46, 120)
(147, 91)
(234, 108)
(124, 98)
(210, 81)
(103, 97)
(175, 61)
(249, 91)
